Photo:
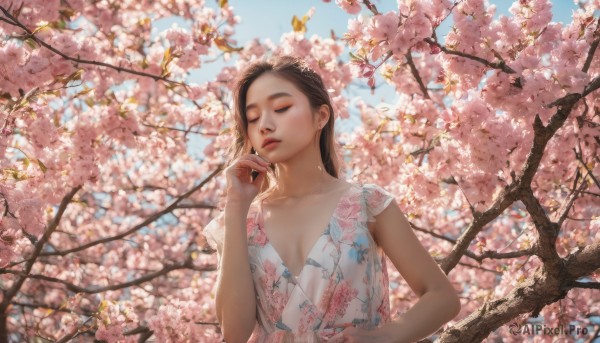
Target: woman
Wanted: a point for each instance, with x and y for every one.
(301, 252)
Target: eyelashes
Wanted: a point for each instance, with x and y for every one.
(281, 110)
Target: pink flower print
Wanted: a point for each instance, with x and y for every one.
(348, 211)
(250, 226)
(349, 208)
(276, 302)
(309, 317)
(376, 200)
(259, 238)
(383, 311)
(256, 236)
(327, 295)
(274, 298)
(342, 295)
(268, 279)
(346, 224)
(275, 337)
(348, 234)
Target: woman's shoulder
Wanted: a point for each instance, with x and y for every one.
(372, 192)
(214, 231)
(369, 188)
(377, 198)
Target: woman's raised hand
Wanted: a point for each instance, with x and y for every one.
(240, 186)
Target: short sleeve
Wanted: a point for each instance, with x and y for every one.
(377, 199)
(214, 231)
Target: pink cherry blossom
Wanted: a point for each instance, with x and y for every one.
(350, 6)
(95, 156)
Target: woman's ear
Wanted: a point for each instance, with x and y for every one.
(324, 115)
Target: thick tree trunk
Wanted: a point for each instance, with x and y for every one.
(542, 288)
(3, 329)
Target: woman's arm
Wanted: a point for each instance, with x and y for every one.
(235, 298)
(438, 300)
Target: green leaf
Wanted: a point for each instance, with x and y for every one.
(167, 58)
(61, 24)
(39, 28)
(16, 174)
(145, 63)
(83, 92)
(224, 46)
(299, 25)
(354, 57)
(32, 43)
(89, 101)
(42, 165)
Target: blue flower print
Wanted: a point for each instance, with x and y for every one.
(280, 325)
(360, 247)
(286, 274)
(335, 232)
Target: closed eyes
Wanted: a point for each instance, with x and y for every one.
(281, 110)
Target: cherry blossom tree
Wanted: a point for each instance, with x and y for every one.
(492, 149)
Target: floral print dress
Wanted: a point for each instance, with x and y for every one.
(344, 280)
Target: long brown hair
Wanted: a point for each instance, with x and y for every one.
(296, 71)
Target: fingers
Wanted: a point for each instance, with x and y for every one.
(258, 158)
(257, 163)
(337, 338)
(250, 162)
(256, 166)
(341, 338)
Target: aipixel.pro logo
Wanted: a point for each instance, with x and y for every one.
(540, 329)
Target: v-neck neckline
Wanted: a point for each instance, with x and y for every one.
(315, 243)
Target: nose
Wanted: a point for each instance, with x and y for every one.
(265, 122)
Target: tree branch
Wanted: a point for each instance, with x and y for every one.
(547, 231)
(371, 7)
(432, 233)
(587, 285)
(188, 264)
(532, 295)
(8, 295)
(502, 255)
(15, 22)
(582, 262)
(584, 165)
(521, 186)
(573, 195)
(506, 197)
(415, 73)
(54, 308)
(174, 205)
(480, 268)
(495, 65)
(486, 254)
(593, 47)
(79, 329)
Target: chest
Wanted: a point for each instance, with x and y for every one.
(294, 231)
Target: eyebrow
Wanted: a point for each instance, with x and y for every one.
(271, 97)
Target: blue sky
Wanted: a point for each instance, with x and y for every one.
(270, 19)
